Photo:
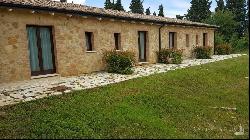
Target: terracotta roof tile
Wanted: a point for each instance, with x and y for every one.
(83, 9)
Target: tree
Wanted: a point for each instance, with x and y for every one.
(118, 6)
(220, 5)
(199, 10)
(238, 7)
(224, 19)
(108, 4)
(63, 0)
(148, 11)
(161, 12)
(136, 6)
(154, 14)
(247, 19)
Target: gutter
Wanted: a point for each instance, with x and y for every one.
(160, 35)
(82, 13)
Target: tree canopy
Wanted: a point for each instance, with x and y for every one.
(136, 6)
(108, 4)
(161, 12)
(238, 8)
(118, 6)
(199, 10)
(220, 5)
(224, 19)
(148, 11)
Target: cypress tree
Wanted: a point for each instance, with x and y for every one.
(199, 10)
(220, 5)
(148, 11)
(161, 12)
(118, 6)
(238, 8)
(108, 4)
(154, 14)
(136, 6)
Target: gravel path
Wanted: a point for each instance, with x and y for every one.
(23, 91)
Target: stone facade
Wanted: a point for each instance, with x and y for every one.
(71, 57)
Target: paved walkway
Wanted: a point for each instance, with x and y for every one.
(39, 88)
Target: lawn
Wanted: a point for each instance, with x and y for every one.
(176, 104)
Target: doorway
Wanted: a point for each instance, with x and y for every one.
(142, 39)
(41, 49)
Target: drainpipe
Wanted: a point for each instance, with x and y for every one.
(160, 36)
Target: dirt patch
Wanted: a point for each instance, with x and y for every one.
(60, 88)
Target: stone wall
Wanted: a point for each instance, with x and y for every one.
(181, 38)
(69, 41)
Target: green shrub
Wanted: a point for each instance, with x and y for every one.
(164, 56)
(219, 39)
(242, 44)
(177, 56)
(203, 52)
(239, 44)
(168, 56)
(223, 49)
(119, 62)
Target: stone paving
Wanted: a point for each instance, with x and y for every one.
(29, 90)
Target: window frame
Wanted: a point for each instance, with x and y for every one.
(197, 40)
(205, 43)
(89, 38)
(174, 40)
(187, 41)
(145, 34)
(117, 39)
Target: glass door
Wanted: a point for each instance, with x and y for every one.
(142, 46)
(42, 60)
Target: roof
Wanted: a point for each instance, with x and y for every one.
(83, 10)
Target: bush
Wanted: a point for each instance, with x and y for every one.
(203, 52)
(119, 62)
(177, 56)
(164, 56)
(223, 49)
(239, 44)
(219, 39)
(168, 56)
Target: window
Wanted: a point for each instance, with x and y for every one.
(172, 40)
(197, 40)
(89, 41)
(187, 40)
(142, 42)
(204, 39)
(117, 37)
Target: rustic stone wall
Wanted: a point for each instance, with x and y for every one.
(69, 41)
(181, 38)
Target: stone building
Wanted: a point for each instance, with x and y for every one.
(41, 37)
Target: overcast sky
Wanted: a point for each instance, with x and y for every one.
(171, 7)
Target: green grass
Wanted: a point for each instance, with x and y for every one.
(175, 104)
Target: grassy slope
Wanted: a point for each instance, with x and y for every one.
(175, 104)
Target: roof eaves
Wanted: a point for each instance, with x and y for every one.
(83, 13)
